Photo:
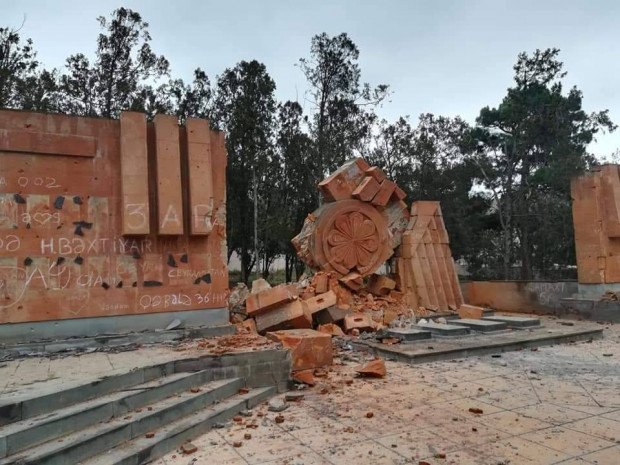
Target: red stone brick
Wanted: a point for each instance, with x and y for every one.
(321, 302)
(265, 300)
(372, 369)
(367, 189)
(376, 173)
(380, 284)
(353, 281)
(384, 194)
(342, 182)
(320, 282)
(331, 329)
(305, 376)
(291, 315)
(470, 311)
(309, 348)
(359, 321)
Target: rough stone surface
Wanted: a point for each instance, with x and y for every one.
(482, 326)
(373, 369)
(408, 335)
(309, 348)
(515, 321)
(269, 298)
(470, 311)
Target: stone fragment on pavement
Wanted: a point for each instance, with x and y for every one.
(373, 369)
(277, 404)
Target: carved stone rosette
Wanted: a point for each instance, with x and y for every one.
(358, 227)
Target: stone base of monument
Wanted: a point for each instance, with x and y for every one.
(590, 309)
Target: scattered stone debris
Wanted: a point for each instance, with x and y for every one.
(277, 404)
(373, 369)
(294, 397)
(363, 223)
(188, 448)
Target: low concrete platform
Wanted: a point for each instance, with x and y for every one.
(514, 321)
(84, 344)
(409, 335)
(482, 326)
(482, 344)
(440, 329)
(590, 309)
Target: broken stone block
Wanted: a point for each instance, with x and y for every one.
(359, 321)
(385, 193)
(372, 369)
(277, 404)
(188, 448)
(331, 329)
(289, 316)
(376, 173)
(380, 285)
(470, 311)
(342, 182)
(309, 348)
(265, 300)
(236, 298)
(304, 376)
(248, 326)
(330, 315)
(307, 293)
(367, 189)
(320, 282)
(259, 285)
(353, 281)
(321, 302)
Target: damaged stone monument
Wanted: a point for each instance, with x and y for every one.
(596, 219)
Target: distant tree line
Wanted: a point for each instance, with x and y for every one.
(503, 182)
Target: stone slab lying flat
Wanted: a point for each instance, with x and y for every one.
(482, 344)
(483, 326)
(409, 335)
(515, 321)
(440, 329)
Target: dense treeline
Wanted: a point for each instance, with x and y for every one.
(503, 182)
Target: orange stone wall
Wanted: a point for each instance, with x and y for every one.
(596, 217)
(104, 217)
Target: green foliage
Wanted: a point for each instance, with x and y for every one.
(527, 149)
(124, 62)
(503, 183)
(244, 107)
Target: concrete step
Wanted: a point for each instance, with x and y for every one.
(24, 434)
(482, 326)
(142, 449)
(440, 329)
(95, 439)
(57, 395)
(514, 321)
(408, 334)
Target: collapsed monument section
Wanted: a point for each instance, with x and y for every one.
(123, 220)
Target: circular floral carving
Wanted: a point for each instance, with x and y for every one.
(353, 241)
(347, 236)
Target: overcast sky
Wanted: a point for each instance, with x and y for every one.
(444, 57)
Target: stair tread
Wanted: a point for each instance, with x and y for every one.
(140, 443)
(56, 445)
(29, 423)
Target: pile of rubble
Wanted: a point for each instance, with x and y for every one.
(324, 302)
(362, 225)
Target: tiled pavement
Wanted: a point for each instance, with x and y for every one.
(555, 405)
